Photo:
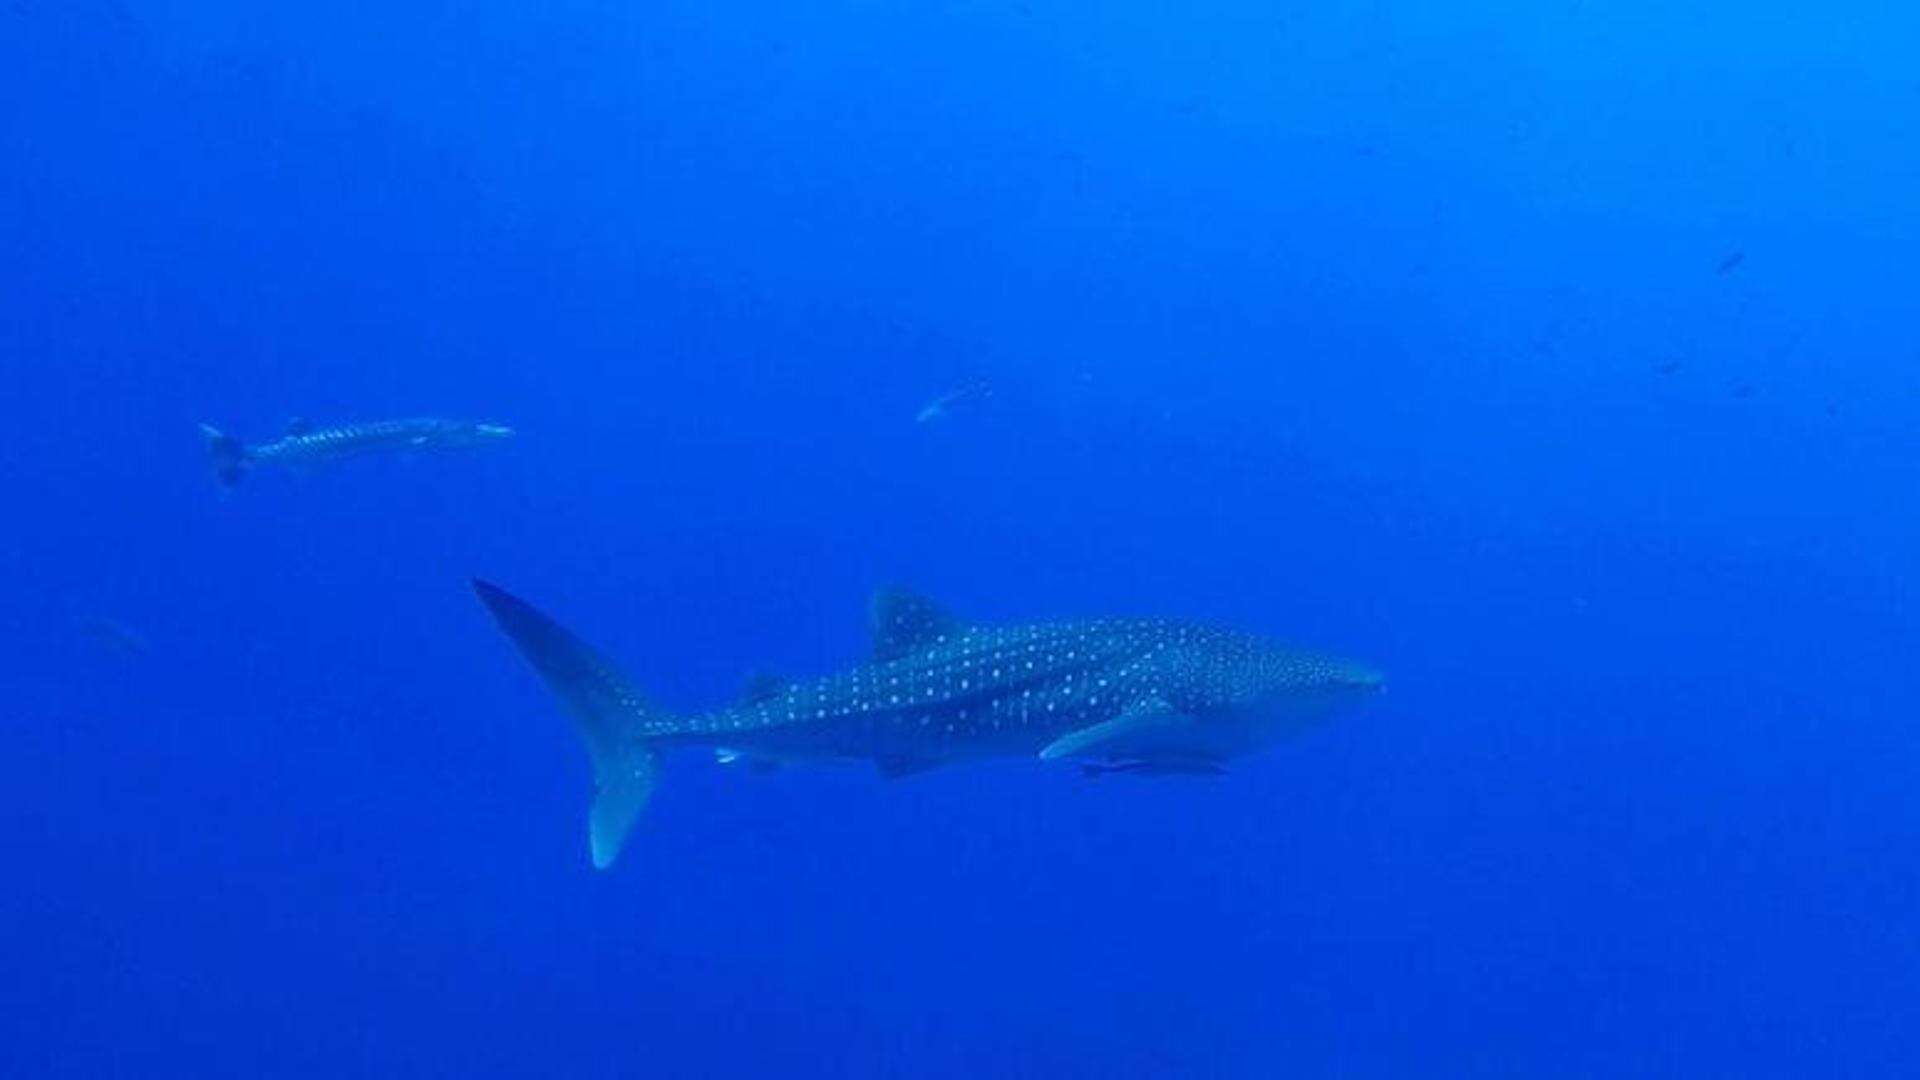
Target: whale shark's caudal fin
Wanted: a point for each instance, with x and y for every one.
(612, 719)
(228, 454)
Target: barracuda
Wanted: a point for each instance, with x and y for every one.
(305, 444)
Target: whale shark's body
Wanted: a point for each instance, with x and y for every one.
(305, 444)
(1133, 695)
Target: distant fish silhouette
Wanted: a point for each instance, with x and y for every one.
(1667, 367)
(112, 634)
(1744, 390)
(942, 407)
(1730, 262)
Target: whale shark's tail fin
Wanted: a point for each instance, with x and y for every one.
(228, 454)
(613, 720)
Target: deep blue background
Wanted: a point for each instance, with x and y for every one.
(1349, 322)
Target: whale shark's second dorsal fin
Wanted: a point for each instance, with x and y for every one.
(761, 687)
(905, 622)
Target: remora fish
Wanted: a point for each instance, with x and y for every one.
(1129, 695)
(302, 443)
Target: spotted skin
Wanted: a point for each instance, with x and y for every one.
(993, 691)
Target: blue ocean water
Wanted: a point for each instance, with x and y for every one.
(1560, 359)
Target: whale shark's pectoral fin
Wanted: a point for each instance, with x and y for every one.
(895, 766)
(1151, 719)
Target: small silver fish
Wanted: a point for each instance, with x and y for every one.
(941, 407)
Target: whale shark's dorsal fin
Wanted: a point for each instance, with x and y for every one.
(762, 686)
(905, 622)
(297, 427)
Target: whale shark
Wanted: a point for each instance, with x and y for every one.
(304, 444)
(1136, 696)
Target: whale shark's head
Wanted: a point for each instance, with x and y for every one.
(1246, 692)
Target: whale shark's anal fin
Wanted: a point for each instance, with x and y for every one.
(612, 719)
(1123, 736)
(904, 622)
